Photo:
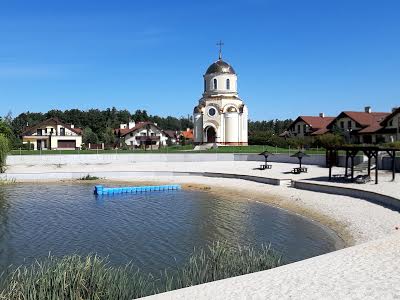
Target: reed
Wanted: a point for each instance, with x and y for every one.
(89, 177)
(92, 277)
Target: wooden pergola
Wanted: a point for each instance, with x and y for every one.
(351, 152)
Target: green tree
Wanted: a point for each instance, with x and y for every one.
(4, 149)
(330, 140)
(88, 136)
(108, 137)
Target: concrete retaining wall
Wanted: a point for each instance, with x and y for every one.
(387, 201)
(130, 175)
(129, 158)
(283, 158)
(386, 164)
(315, 159)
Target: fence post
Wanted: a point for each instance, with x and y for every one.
(289, 150)
(20, 152)
(276, 149)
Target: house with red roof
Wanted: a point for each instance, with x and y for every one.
(308, 126)
(187, 135)
(359, 126)
(53, 134)
(141, 135)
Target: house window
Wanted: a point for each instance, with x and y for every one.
(215, 84)
(342, 124)
(62, 131)
(349, 124)
(228, 84)
(205, 85)
(45, 131)
(391, 123)
(298, 128)
(39, 132)
(131, 134)
(304, 128)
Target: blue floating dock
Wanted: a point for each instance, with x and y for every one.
(100, 190)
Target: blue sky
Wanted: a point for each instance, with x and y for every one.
(292, 57)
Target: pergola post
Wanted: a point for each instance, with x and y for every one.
(369, 164)
(329, 159)
(394, 165)
(352, 167)
(392, 155)
(376, 166)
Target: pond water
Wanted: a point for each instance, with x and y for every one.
(153, 230)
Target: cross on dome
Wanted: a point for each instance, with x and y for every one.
(220, 44)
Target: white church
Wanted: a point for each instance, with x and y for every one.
(221, 116)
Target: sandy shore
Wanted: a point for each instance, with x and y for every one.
(354, 220)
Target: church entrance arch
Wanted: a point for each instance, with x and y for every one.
(210, 134)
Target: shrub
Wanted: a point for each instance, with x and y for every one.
(395, 145)
(4, 149)
(329, 140)
(88, 177)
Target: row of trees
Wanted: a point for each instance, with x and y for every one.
(97, 124)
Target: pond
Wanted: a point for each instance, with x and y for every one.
(153, 230)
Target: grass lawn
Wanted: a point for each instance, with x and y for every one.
(172, 149)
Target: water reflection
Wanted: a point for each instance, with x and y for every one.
(153, 230)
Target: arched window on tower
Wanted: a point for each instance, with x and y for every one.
(205, 85)
(228, 84)
(215, 84)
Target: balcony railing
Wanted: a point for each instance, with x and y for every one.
(147, 138)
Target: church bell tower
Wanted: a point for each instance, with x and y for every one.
(221, 117)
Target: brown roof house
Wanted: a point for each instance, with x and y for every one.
(308, 126)
(53, 134)
(390, 126)
(359, 126)
(141, 135)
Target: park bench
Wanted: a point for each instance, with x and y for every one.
(263, 167)
(299, 170)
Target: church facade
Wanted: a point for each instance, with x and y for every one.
(221, 117)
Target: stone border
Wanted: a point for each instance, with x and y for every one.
(373, 197)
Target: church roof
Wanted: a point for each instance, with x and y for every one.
(220, 67)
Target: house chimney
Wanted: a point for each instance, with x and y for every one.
(72, 126)
(368, 109)
(131, 124)
(187, 129)
(322, 115)
(122, 126)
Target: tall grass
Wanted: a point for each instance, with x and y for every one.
(219, 261)
(92, 277)
(74, 277)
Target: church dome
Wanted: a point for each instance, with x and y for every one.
(220, 67)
